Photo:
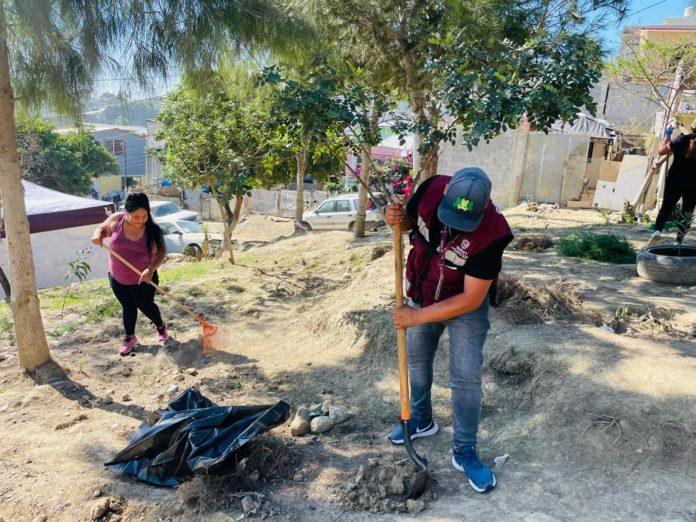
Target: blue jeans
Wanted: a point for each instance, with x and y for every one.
(467, 333)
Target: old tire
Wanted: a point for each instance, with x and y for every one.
(193, 251)
(662, 264)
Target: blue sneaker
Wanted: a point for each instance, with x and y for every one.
(416, 428)
(480, 476)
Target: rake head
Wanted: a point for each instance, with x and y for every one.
(212, 337)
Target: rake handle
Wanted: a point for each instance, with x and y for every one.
(188, 310)
(404, 395)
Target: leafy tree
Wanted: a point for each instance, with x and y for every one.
(64, 162)
(667, 67)
(443, 46)
(304, 122)
(51, 53)
(214, 141)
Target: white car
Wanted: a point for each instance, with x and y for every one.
(166, 211)
(339, 213)
(186, 237)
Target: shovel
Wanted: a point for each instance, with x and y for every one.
(419, 479)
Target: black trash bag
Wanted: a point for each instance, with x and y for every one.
(194, 436)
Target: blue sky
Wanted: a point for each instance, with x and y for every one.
(644, 12)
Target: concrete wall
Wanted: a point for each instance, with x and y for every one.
(502, 159)
(546, 168)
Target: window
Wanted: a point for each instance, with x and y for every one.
(343, 205)
(167, 228)
(189, 226)
(166, 209)
(327, 206)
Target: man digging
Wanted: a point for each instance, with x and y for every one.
(457, 240)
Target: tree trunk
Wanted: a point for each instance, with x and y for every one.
(301, 159)
(32, 347)
(230, 218)
(426, 165)
(365, 171)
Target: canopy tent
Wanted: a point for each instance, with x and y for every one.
(61, 226)
(52, 210)
(586, 124)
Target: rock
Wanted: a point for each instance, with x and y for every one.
(315, 409)
(107, 399)
(115, 507)
(2, 357)
(96, 493)
(179, 377)
(338, 414)
(125, 398)
(396, 485)
(415, 506)
(40, 518)
(326, 406)
(173, 388)
(298, 477)
(299, 426)
(499, 461)
(321, 424)
(99, 509)
(359, 475)
(116, 518)
(191, 371)
(248, 504)
(490, 387)
(303, 412)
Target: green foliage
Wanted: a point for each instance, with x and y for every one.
(607, 248)
(64, 162)
(484, 63)
(631, 217)
(212, 140)
(543, 79)
(78, 269)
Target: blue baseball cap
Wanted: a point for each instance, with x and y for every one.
(465, 199)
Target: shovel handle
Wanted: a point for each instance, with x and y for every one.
(188, 310)
(401, 332)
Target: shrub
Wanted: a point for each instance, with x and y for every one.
(608, 248)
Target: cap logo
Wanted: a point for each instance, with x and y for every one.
(463, 204)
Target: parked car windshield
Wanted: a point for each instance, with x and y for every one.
(167, 209)
(189, 226)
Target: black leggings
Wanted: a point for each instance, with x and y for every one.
(134, 297)
(676, 189)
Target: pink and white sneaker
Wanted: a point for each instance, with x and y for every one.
(162, 333)
(129, 344)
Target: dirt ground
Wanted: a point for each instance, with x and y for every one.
(597, 425)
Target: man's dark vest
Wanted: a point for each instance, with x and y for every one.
(423, 265)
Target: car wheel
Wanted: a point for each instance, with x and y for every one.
(194, 251)
(307, 226)
(351, 226)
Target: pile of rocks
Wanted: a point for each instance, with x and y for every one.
(319, 418)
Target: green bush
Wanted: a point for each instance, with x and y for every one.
(608, 248)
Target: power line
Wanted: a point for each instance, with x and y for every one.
(649, 7)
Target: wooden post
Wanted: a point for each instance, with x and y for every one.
(277, 204)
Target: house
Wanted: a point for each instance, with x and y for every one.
(127, 144)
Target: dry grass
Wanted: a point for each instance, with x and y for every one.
(521, 302)
(532, 242)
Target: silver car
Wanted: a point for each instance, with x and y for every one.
(186, 237)
(339, 213)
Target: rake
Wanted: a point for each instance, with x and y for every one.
(212, 337)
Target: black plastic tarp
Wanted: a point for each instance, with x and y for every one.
(194, 436)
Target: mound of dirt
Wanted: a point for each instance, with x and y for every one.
(380, 486)
(533, 242)
(522, 302)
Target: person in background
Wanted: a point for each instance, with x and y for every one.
(680, 182)
(136, 237)
(457, 241)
